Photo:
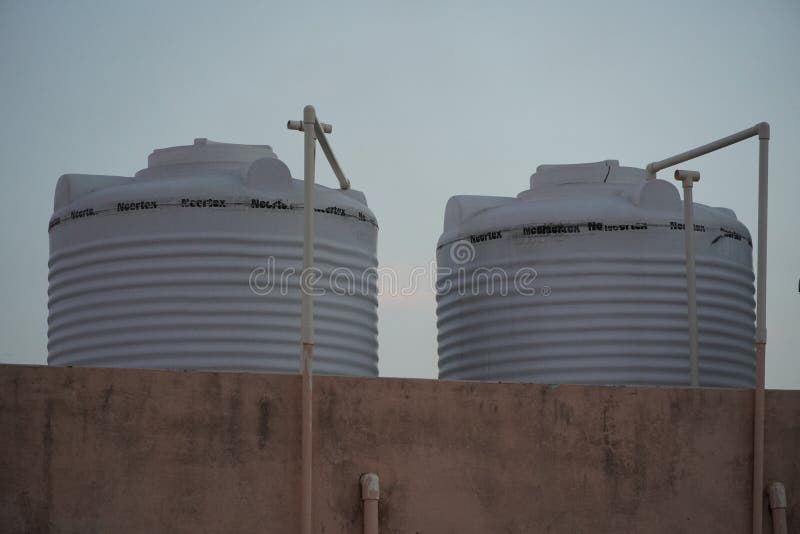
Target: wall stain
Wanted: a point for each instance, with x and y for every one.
(263, 422)
(47, 461)
(609, 461)
(233, 434)
(107, 394)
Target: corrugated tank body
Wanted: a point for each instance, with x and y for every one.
(581, 279)
(194, 263)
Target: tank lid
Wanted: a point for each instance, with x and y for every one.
(607, 171)
(574, 173)
(206, 151)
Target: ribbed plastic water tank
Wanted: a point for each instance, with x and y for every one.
(194, 263)
(592, 257)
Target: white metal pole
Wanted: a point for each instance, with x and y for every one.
(313, 131)
(688, 178)
(307, 320)
(761, 330)
(761, 281)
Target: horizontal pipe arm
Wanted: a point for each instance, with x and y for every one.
(761, 130)
(298, 125)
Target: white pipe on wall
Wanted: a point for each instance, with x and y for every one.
(761, 329)
(370, 494)
(761, 130)
(313, 131)
(307, 320)
(777, 506)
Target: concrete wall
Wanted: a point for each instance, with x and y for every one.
(102, 450)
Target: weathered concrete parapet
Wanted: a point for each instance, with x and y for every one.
(110, 450)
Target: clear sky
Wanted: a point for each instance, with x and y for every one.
(428, 99)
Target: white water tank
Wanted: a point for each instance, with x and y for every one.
(194, 263)
(592, 256)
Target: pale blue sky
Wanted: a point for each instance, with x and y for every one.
(428, 99)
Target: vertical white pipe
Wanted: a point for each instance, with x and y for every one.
(691, 285)
(688, 178)
(307, 320)
(370, 494)
(777, 505)
(761, 273)
(761, 330)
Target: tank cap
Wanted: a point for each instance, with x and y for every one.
(206, 151)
